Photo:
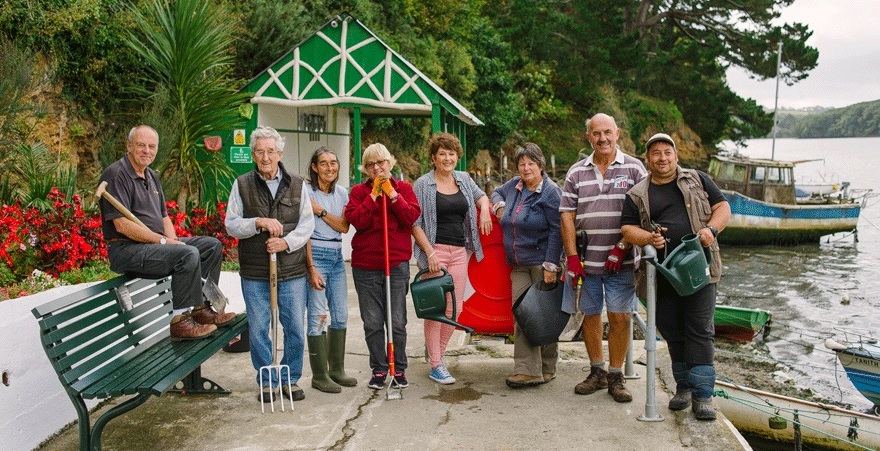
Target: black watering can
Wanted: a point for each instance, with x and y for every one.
(429, 298)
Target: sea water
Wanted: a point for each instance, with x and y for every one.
(812, 289)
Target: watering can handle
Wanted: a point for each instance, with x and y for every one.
(419, 274)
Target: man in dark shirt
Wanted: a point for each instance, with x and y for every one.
(682, 201)
(155, 251)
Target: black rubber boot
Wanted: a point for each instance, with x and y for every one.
(318, 359)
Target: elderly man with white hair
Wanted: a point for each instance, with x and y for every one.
(270, 213)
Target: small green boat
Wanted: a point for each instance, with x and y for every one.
(740, 324)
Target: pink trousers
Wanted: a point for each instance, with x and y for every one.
(437, 335)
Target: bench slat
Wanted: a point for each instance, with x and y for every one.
(166, 363)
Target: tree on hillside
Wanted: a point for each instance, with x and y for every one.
(741, 33)
(186, 47)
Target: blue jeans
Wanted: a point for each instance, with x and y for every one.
(334, 297)
(370, 286)
(292, 295)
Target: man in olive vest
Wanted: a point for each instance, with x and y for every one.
(269, 212)
(682, 202)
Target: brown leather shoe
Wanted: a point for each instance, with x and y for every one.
(523, 380)
(294, 393)
(597, 380)
(205, 314)
(183, 327)
(617, 388)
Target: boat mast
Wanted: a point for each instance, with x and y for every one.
(776, 102)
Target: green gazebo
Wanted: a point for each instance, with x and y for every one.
(316, 94)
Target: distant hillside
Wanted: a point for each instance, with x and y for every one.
(859, 120)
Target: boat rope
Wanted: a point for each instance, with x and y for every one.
(767, 407)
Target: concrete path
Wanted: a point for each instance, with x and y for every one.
(478, 412)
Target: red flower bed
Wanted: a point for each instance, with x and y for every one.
(67, 237)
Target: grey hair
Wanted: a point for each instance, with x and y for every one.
(135, 129)
(532, 151)
(379, 152)
(263, 132)
(589, 119)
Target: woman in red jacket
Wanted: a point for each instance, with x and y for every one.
(364, 212)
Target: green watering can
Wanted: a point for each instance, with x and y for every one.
(687, 267)
(429, 298)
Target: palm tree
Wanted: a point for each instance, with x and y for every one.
(186, 45)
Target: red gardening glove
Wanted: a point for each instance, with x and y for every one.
(575, 270)
(615, 258)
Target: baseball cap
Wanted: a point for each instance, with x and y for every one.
(660, 137)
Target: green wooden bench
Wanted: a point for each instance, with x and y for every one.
(112, 339)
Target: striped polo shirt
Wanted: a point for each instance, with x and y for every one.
(597, 202)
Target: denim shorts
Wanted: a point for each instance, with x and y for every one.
(615, 291)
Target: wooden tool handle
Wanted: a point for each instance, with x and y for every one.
(102, 192)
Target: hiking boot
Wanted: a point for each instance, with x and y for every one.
(523, 380)
(399, 380)
(597, 380)
(681, 400)
(549, 377)
(266, 395)
(205, 314)
(441, 375)
(703, 409)
(617, 388)
(293, 392)
(377, 382)
(183, 327)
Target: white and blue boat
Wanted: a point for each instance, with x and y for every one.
(765, 209)
(860, 356)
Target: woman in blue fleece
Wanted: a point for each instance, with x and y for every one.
(528, 208)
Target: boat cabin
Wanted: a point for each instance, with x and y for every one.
(765, 180)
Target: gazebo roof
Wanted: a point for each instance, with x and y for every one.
(345, 64)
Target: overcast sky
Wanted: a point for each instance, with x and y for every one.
(847, 34)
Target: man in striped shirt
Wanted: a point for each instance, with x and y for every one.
(592, 200)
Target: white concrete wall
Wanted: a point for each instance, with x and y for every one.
(34, 406)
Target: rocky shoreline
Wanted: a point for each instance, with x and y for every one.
(750, 364)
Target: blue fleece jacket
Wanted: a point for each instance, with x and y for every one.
(530, 223)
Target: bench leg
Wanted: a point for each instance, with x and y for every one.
(83, 423)
(194, 383)
(114, 412)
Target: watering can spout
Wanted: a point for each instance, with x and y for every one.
(687, 267)
(429, 298)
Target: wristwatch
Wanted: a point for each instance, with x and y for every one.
(550, 267)
(163, 240)
(713, 230)
(323, 213)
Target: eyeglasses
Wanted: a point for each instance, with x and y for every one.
(262, 153)
(374, 163)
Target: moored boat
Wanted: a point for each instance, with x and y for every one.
(772, 417)
(765, 209)
(740, 324)
(860, 357)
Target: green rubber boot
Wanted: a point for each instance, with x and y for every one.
(336, 337)
(318, 359)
